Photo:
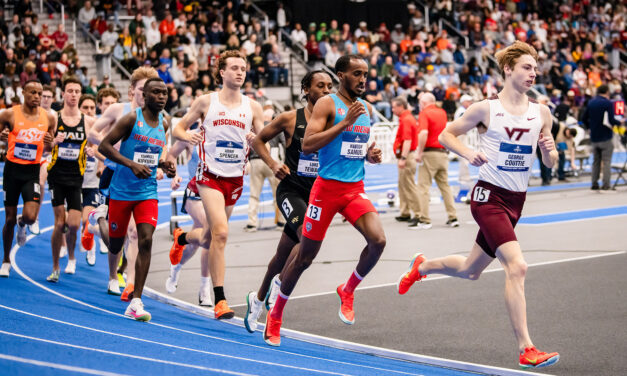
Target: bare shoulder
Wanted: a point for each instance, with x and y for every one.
(325, 103)
(255, 106)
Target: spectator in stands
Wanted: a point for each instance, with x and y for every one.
(28, 73)
(565, 143)
(167, 27)
(276, 67)
(108, 39)
(298, 35)
(172, 104)
(257, 63)
(216, 35)
(30, 40)
(60, 37)
(313, 50)
(332, 55)
(124, 55)
(164, 74)
(13, 91)
(15, 36)
(374, 96)
(106, 83)
(98, 25)
(86, 14)
(599, 118)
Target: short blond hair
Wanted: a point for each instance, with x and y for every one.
(508, 56)
(143, 73)
(221, 62)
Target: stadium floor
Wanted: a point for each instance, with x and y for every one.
(572, 241)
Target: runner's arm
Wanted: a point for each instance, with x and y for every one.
(257, 116)
(318, 133)
(167, 165)
(474, 116)
(280, 124)
(545, 141)
(196, 111)
(106, 120)
(49, 136)
(122, 130)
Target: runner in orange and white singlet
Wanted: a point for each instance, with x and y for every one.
(30, 132)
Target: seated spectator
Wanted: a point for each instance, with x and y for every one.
(45, 40)
(257, 66)
(410, 81)
(13, 91)
(375, 98)
(105, 83)
(186, 99)
(216, 35)
(86, 14)
(313, 51)
(98, 25)
(276, 67)
(167, 27)
(172, 105)
(108, 39)
(298, 35)
(30, 40)
(177, 72)
(29, 73)
(164, 74)
(60, 37)
(332, 55)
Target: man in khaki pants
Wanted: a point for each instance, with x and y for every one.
(405, 150)
(433, 161)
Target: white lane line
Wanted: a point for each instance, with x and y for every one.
(165, 344)
(58, 366)
(15, 249)
(124, 355)
(431, 278)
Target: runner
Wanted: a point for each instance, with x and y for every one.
(133, 188)
(339, 128)
(297, 177)
(31, 128)
(65, 174)
(511, 126)
(101, 128)
(47, 97)
(191, 205)
(91, 180)
(228, 119)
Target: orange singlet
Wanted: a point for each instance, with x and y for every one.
(26, 140)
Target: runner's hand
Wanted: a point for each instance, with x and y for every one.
(159, 173)
(4, 136)
(141, 171)
(477, 158)
(169, 168)
(250, 136)
(374, 154)
(176, 183)
(58, 139)
(90, 152)
(354, 111)
(280, 170)
(194, 138)
(546, 144)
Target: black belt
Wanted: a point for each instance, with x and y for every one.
(441, 150)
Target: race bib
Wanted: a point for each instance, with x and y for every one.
(147, 155)
(68, 151)
(308, 165)
(229, 151)
(91, 164)
(25, 152)
(354, 146)
(514, 157)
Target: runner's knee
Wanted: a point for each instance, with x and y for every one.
(378, 241)
(517, 269)
(144, 242)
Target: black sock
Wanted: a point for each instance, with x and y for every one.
(218, 293)
(181, 239)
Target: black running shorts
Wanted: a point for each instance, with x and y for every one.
(20, 180)
(60, 194)
(292, 202)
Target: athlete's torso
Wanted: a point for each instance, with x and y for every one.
(144, 146)
(343, 158)
(224, 149)
(303, 167)
(26, 140)
(127, 108)
(68, 158)
(510, 144)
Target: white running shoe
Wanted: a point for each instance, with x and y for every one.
(90, 257)
(5, 269)
(99, 212)
(273, 293)
(204, 296)
(71, 267)
(103, 247)
(63, 251)
(135, 310)
(255, 306)
(114, 287)
(34, 228)
(21, 232)
(173, 279)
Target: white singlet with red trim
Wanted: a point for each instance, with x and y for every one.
(224, 149)
(510, 145)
